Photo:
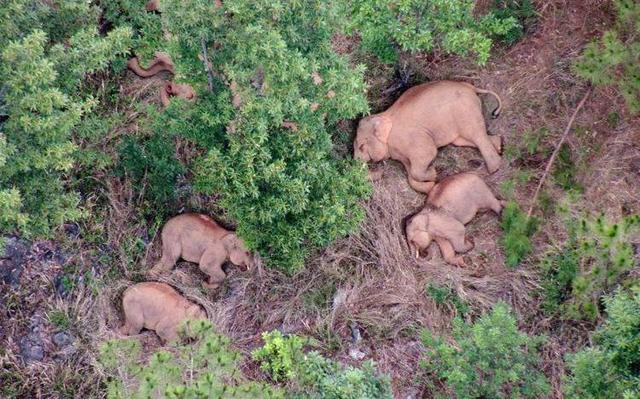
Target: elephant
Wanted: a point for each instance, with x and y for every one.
(451, 204)
(161, 62)
(198, 238)
(157, 307)
(424, 118)
(174, 89)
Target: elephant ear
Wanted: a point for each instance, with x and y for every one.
(381, 127)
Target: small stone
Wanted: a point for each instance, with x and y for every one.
(62, 339)
(30, 350)
(356, 354)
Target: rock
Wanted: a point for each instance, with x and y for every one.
(31, 348)
(356, 337)
(356, 354)
(12, 261)
(62, 339)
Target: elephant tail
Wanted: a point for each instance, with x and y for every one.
(496, 112)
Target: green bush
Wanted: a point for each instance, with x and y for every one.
(42, 105)
(490, 359)
(517, 231)
(443, 294)
(415, 25)
(523, 11)
(311, 375)
(595, 259)
(204, 368)
(615, 58)
(609, 369)
(281, 185)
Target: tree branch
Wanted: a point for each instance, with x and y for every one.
(205, 60)
(555, 152)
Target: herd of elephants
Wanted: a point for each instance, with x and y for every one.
(424, 118)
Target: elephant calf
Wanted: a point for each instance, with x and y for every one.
(451, 204)
(174, 89)
(157, 307)
(198, 238)
(424, 118)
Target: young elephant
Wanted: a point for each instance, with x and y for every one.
(161, 62)
(198, 238)
(158, 307)
(424, 118)
(174, 89)
(451, 204)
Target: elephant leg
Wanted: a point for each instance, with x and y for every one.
(489, 153)
(448, 253)
(211, 263)
(496, 141)
(167, 332)
(456, 236)
(421, 186)
(170, 254)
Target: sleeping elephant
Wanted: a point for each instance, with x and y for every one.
(161, 62)
(424, 118)
(198, 238)
(451, 204)
(171, 89)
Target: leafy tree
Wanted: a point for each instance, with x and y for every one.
(591, 264)
(414, 25)
(36, 148)
(609, 369)
(204, 368)
(311, 375)
(491, 359)
(273, 167)
(615, 58)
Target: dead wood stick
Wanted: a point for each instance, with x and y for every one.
(555, 152)
(207, 68)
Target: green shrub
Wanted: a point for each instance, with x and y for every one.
(442, 295)
(311, 375)
(517, 232)
(490, 359)
(204, 368)
(591, 264)
(523, 11)
(609, 369)
(42, 105)
(615, 58)
(279, 354)
(282, 186)
(414, 25)
(564, 170)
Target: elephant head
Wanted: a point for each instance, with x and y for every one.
(418, 234)
(195, 312)
(372, 138)
(237, 252)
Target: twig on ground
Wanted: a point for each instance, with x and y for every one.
(555, 152)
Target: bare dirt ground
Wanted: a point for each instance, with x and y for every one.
(368, 282)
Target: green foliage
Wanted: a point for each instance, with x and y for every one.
(523, 11)
(594, 260)
(443, 295)
(414, 25)
(282, 186)
(311, 375)
(279, 354)
(36, 150)
(609, 369)
(491, 359)
(615, 58)
(204, 368)
(517, 232)
(564, 170)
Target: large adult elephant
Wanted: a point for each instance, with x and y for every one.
(424, 118)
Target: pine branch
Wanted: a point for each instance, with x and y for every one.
(555, 152)
(205, 60)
